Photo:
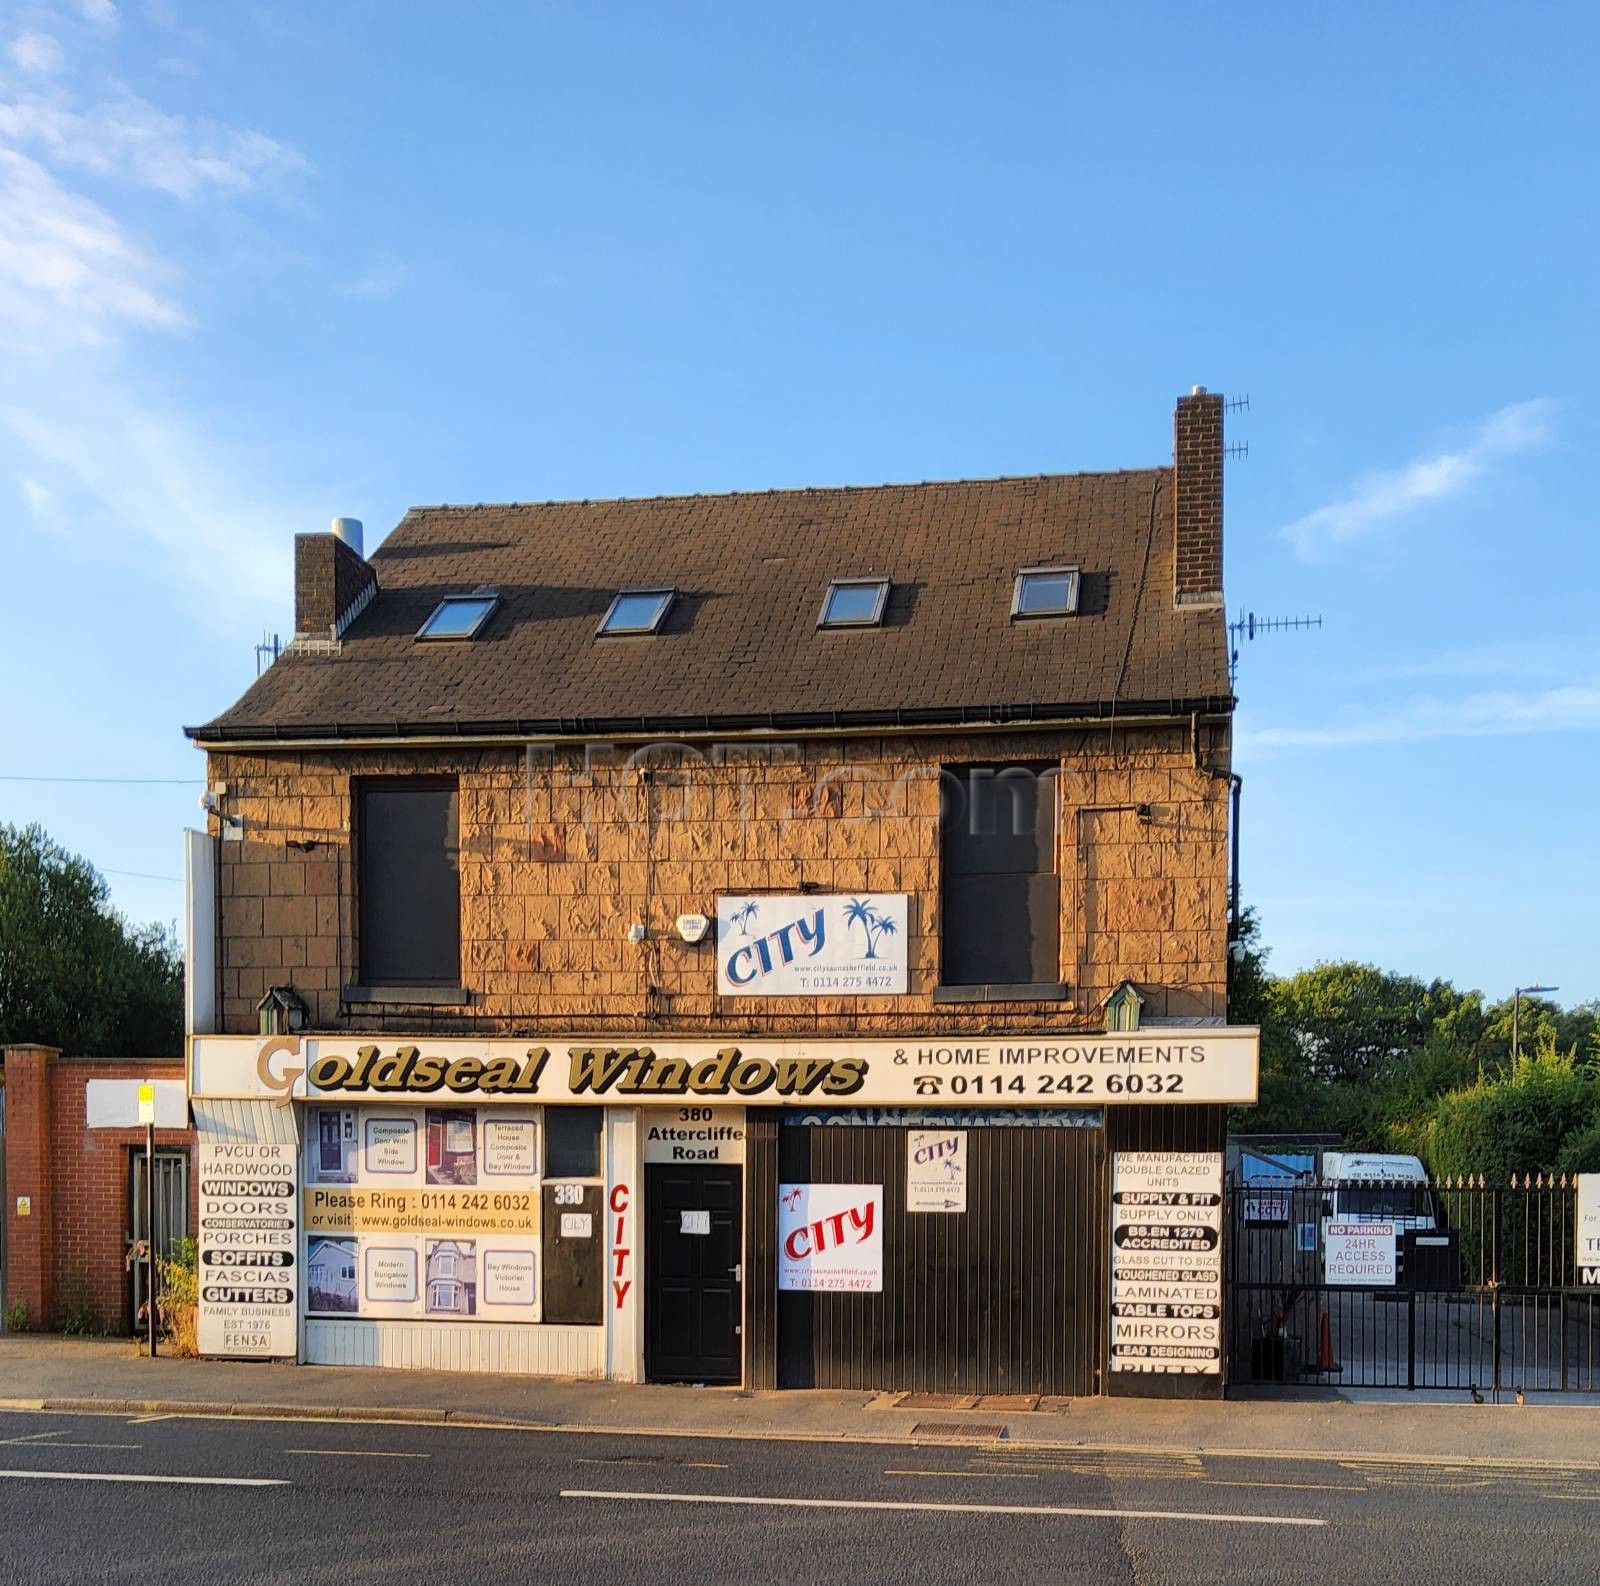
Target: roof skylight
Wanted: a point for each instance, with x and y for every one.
(1045, 592)
(854, 603)
(636, 611)
(459, 617)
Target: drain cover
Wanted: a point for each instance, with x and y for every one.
(967, 1431)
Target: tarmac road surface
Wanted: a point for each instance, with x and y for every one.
(89, 1499)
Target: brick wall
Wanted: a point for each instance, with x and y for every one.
(1197, 499)
(560, 856)
(77, 1179)
(328, 578)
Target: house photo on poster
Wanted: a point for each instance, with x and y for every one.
(331, 1286)
(452, 1145)
(452, 1277)
(333, 1145)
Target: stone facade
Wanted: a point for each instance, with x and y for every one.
(561, 850)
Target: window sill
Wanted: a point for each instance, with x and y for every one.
(433, 996)
(1042, 991)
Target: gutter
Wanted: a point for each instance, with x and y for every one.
(832, 724)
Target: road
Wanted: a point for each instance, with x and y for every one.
(90, 1499)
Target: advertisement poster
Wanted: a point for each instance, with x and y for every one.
(1359, 1253)
(1166, 1262)
(936, 1170)
(1588, 1246)
(391, 1144)
(830, 1238)
(810, 945)
(510, 1147)
(248, 1244)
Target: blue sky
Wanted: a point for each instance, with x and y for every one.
(260, 265)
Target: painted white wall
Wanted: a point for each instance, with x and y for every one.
(200, 934)
(624, 1246)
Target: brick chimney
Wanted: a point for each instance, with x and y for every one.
(1197, 499)
(332, 582)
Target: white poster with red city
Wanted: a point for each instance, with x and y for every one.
(830, 1238)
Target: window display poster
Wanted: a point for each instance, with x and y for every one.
(510, 1147)
(1166, 1262)
(420, 1213)
(452, 1145)
(391, 1144)
(389, 1284)
(830, 1238)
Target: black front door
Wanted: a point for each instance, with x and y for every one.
(693, 1247)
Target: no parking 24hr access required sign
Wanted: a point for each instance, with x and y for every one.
(1166, 1262)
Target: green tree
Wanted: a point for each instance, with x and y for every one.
(1541, 1117)
(73, 972)
(1348, 1020)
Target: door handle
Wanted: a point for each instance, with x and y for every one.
(737, 1272)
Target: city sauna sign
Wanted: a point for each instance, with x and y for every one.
(1178, 1065)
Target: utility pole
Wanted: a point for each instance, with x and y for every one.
(147, 1116)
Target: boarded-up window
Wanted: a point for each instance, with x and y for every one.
(410, 883)
(1000, 897)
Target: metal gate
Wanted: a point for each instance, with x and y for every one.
(172, 1211)
(1455, 1286)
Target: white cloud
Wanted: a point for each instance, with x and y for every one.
(68, 272)
(103, 13)
(1501, 713)
(39, 499)
(38, 53)
(127, 138)
(383, 280)
(1382, 497)
(1499, 659)
(136, 475)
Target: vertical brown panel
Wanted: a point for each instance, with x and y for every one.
(761, 1258)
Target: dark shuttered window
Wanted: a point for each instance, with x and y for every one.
(1000, 896)
(410, 882)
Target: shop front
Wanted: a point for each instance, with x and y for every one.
(1022, 1215)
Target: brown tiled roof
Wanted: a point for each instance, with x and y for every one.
(741, 646)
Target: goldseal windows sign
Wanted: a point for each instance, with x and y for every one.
(1176, 1064)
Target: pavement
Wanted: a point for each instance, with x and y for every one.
(88, 1375)
(148, 1499)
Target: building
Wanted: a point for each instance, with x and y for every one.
(767, 926)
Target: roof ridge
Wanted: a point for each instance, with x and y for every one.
(790, 490)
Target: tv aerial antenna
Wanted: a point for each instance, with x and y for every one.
(267, 652)
(1249, 626)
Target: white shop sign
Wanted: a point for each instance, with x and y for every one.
(813, 945)
(694, 1134)
(1360, 1254)
(1166, 1262)
(936, 1170)
(1588, 1247)
(830, 1238)
(1174, 1064)
(249, 1248)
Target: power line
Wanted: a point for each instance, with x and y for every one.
(116, 781)
(140, 875)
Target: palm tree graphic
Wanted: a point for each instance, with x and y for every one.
(858, 911)
(742, 917)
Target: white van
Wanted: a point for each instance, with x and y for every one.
(1376, 1187)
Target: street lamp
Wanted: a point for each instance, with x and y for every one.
(1517, 994)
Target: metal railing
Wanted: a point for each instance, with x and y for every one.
(1459, 1285)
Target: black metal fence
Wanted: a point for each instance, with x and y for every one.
(1461, 1285)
